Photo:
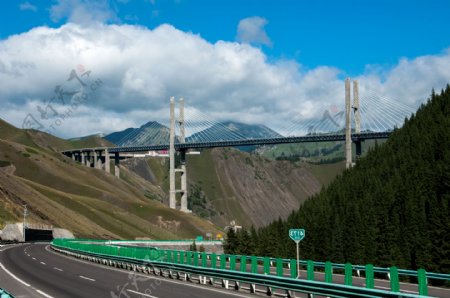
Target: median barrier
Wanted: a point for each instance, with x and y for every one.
(195, 266)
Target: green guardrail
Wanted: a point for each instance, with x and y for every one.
(5, 294)
(217, 267)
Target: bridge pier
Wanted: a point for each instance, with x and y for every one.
(117, 164)
(107, 162)
(94, 152)
(83, 158)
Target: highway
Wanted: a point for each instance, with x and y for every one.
(33, 270)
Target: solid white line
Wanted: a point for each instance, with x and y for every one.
(43, 263)
(142, 294)
(43, 294)
(84, 277)
(13, 276)
(57, 269)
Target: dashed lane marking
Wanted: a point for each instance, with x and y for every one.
(43, 294)
(57, 269)
(84, 277)
(142, 294)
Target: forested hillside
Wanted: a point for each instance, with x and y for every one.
(392, 208)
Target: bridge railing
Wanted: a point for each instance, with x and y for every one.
(251, 270)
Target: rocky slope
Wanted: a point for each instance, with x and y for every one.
(87, 201)
(227, 184)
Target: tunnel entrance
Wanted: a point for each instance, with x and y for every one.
(38, 235)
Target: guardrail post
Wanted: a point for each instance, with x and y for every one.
(395, 285)
(196, 257)
(213, 260)
(279, 267)
(369, 277)
(181, 257)
(310, 270)
(243, 264)
(233, 262)
(348, 274)
(254, 264)
(266, 265)
(328, 272)
(293, 266)
(204, 259)
(422, 280)
(223, 261)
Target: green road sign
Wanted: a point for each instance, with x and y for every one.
(297, 234)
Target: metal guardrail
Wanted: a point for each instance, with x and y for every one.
(5, 294)
(361, 268)
(174, 262)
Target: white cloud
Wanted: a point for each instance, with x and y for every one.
(83, 12)
(28, 6)
(141, 69)
(251, 30)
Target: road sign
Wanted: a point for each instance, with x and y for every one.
(297, 234)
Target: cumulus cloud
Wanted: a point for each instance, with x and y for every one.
(83, 12)
(140, 69)
(251, 30)
(28, 6)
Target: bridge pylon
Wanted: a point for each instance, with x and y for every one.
(348, 122)
(172, 167)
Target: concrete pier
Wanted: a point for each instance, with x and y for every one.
(107, 162)
(172, 191)
(117, 164)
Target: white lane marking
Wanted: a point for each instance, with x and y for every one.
(13, 276)
(43, 263)
(34, 258)
(43, 294)
(57, 269)
(84, 277)
(142, 294)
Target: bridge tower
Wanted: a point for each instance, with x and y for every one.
(348, 126)
(348, 122)
(182, 170)
(357, 114)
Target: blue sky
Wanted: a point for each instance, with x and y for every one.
(227, 58)
(346, 34)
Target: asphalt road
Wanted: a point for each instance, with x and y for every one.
(32, 270)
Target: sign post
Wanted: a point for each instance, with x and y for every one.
(297, 235)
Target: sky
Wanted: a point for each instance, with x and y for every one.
(251, 61)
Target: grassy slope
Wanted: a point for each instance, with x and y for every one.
(87, 201)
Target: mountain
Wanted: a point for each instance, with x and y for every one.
(392, 208)
(230, 130)
(150, 133)
(226, 184)
(87, 201)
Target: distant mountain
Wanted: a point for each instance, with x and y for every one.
(230, 130)
(155, 133)
(150, 133)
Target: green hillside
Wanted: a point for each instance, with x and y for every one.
(87, 201)
(392, 208)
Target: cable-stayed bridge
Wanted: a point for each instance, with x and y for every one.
(365, 117)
